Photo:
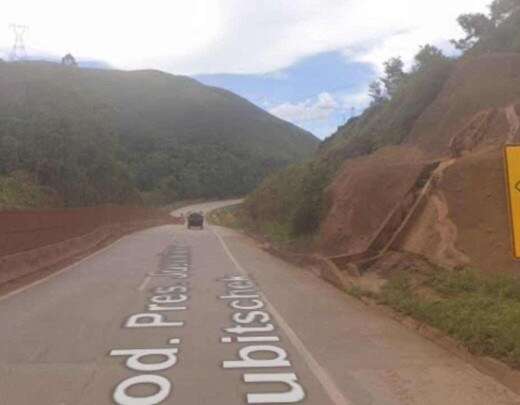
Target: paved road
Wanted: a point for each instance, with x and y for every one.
(178, 316)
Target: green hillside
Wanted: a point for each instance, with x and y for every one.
(98, 136)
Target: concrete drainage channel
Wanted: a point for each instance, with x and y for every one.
(393, 226)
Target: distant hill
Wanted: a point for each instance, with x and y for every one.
(110, 136)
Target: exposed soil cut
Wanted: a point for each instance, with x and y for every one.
(464, 219)
(25, 230)
(36, 242)
(364, 194)
(434, 233)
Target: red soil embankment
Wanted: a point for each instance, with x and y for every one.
(464, 218)
(362, 196)
(473, 195)
(477, 85)
(34, 240)
(25, 230)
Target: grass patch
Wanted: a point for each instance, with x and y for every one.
(230, 217)
(481, 311)
(278, 234)
(236, 217)
(358, 292)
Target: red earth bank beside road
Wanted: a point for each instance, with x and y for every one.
(34, 242)
(25, 230)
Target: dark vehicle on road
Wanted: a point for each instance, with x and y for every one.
(196, 220)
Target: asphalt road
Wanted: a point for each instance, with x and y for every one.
(170, 315)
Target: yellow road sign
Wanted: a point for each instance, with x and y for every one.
(512, 159)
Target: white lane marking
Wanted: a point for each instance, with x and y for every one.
(57, 273)
(144, 283)
(335, 395)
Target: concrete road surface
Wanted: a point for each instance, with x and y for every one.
(193, 317)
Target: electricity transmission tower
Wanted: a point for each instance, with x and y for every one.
(18, 51)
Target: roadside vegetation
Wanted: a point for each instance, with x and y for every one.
(289, 204)
(294, 199)
(237, 217)
(229, 217)
(19, 191)
(481, 311)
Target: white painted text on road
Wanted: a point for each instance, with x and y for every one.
(149, 387)
(258, 351)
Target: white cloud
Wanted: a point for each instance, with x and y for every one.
(128, 34)
(309, 110)
(358, 101)
(232, 36)
(322, 108)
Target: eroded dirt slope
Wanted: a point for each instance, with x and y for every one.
(465, 218)
(363, 195)
(476, 86)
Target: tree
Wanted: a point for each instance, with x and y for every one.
(475, 26)
(376, 92)
(9, 155)
(502, 9)
(168, 187)
(429, 55)
(394, 75)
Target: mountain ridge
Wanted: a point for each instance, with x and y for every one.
(169, 136)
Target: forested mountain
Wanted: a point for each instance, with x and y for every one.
(92, 136)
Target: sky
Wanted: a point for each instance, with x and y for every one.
(306, 61)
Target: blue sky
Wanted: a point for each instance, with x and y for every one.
(317, 93)
(307, 61)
